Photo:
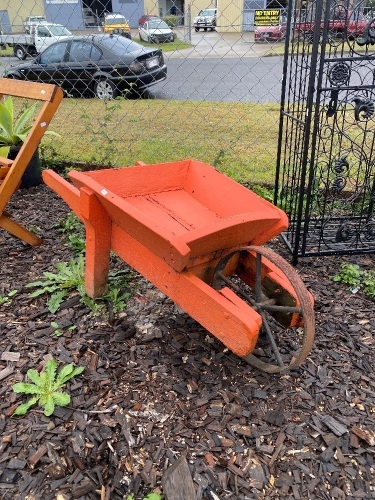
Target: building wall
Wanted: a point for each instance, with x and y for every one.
(131, 9)
(68, 14)
(229, 16)
(230, 12)
(18, 10)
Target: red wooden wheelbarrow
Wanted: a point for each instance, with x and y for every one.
(197, 236)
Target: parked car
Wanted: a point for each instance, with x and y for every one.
(146, 17)
(33, 21)
(271, 33)
(100, 65)
(116, 24)
(206, 19)
(155, 30)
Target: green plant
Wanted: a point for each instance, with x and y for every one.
(8, 297)
(150, 496)
(350, 274)
(68, 277)
(77, 243)
(171, 20)
(369, 285)
(71, 277)
(13, 130)
(353, 276)
(46, 387)
(58, 331)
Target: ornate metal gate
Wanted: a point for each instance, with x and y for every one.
(325, 178)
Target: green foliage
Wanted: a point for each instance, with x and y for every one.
(171, 20)
(8, 297)
(350, 274)
(369, 285)
(13, 130)
(150, 496)
(263, 191)
(353, 276)
(68, 277)
(46, 387)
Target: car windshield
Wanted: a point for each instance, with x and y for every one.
(157, 23)
(37, 19)
(115, 20)
(120, 45)
(207, 12)
(59, 30)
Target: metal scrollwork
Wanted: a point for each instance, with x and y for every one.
(364, 109)
(339, 74)
(370, 230)
(346, 232)
(340, 168)
(368, 37)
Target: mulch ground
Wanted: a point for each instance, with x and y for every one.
(157, 387)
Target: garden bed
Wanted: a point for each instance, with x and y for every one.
(157, 386)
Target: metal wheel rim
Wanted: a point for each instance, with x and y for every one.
(104, 90)
(306, 308)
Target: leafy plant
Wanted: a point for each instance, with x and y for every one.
(353, 276)
(71, 277)
(350, 274)
(369, 285)
(46, 387)
(8, 297)
(150, 496)
(77, 243)
(13, 131)
(68, 277)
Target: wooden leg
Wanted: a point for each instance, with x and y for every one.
(98, 243)
(19, 231)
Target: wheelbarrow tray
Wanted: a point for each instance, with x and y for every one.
(182, 210)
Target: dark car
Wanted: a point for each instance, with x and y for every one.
(102, 65)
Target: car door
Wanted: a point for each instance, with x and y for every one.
(82, 64)
(50, 67)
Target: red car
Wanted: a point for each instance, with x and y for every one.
(270, 33)
(146, 17)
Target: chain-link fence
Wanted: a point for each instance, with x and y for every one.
(200, 86)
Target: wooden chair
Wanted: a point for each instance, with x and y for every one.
(11, 171)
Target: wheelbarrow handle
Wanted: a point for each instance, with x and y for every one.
(63, 188)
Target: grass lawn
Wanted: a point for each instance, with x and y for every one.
(238, 139)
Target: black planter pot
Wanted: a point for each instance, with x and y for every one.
(33, 174)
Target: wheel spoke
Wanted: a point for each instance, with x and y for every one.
(288, 321)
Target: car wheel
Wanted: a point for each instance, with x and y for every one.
(105, 89)
(205, 29)
(20, 52)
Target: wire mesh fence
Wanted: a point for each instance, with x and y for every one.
(152, 81)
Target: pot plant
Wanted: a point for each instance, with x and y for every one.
(13, 132)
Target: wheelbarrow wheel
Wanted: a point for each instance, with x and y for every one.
(288, 325)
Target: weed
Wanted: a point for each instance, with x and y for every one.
(150, 496)
(68, 277)
(45, 387)
(77, 243)
(353, 276)
(369, 285)
(8, 297)
(71, 277)
(58, 331)
(350, 274)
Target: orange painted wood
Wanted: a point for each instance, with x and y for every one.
(159, 206)
(50, 96)
(228, 318)
(172, 223)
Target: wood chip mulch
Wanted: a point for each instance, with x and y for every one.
(157, 387)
